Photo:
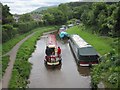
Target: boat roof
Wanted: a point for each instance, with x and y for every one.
(51, 42)
(79, 41)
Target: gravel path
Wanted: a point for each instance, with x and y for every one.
(12, 53)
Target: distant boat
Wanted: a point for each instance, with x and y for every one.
(63, 34)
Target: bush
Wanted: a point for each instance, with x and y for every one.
(8, 32)
(5, 61)
(107, 71)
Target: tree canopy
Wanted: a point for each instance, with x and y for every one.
(103, 16)
(6, 15)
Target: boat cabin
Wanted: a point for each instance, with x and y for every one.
(85, 54)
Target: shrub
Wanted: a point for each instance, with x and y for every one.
(8, 32)
(5, 61)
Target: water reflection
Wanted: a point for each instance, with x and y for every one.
(52, 67)
(84, 71)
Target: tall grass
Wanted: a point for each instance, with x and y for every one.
(102, 44)
(22, 67)
(12, 42)
(5, 61)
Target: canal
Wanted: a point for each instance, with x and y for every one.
(68, 75)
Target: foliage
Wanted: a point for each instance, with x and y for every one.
(107, 71)
(8, 32)
(66, 10)
(101, 15)
(5, 61)
(26, 27)
(54, 16)
(25, 18)
(72, 21)
(49, 18)
(6, 15)
(9, 44)
(104, 16)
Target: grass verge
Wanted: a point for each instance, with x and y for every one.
(5, 61)
(9, 45)
(22, 67)
(102, 44)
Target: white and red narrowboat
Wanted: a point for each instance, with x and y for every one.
(52, 58)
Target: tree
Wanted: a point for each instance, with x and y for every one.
(49, 18)
(65, 10)
(8, 32)
(54, 16)
(116, 14)
(25, 18)
(7, 17)
(59, 17)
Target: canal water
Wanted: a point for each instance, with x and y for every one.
(68, 75)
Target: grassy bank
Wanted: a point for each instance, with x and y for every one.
(5, 61)
(102, 44)
(22, 67)
(9, 45)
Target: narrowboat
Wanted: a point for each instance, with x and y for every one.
(84, 53)
(52, 59)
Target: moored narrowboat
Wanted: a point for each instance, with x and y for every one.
(84, 53)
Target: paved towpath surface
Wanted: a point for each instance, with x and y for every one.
(12, 53)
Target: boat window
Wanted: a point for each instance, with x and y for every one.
(89, 58)
(52, 50)
(87, 51)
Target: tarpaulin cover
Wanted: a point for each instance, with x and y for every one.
(63, 34)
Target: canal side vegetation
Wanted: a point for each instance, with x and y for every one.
(5, 61)
(22, 67)
(7, 46)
